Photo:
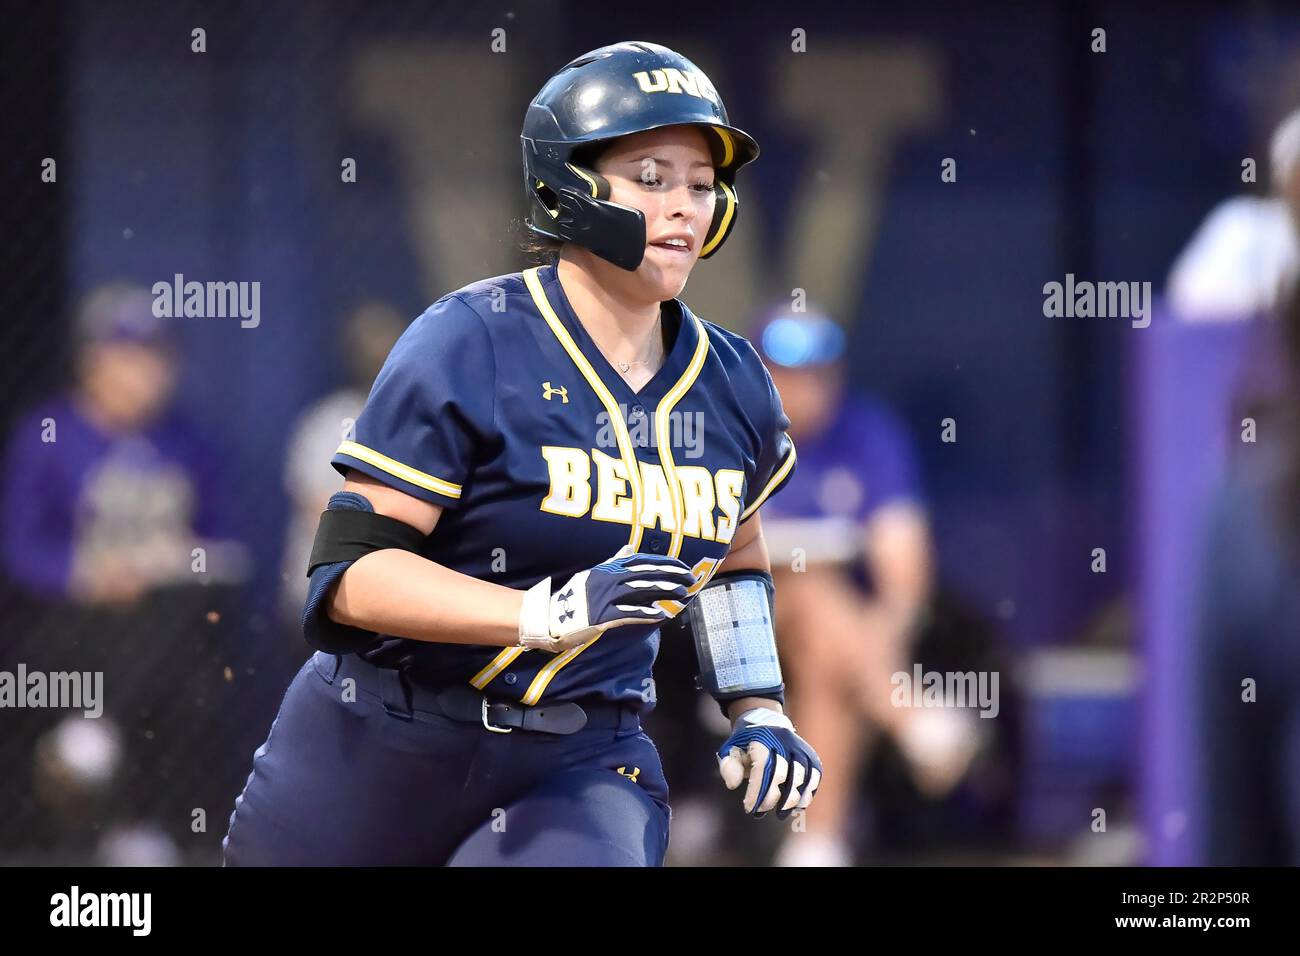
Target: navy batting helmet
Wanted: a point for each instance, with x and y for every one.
(611, 92)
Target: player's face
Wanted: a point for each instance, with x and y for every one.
(128, 384)
(808, 394)
(668, 175)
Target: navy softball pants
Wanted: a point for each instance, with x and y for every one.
(370, 783)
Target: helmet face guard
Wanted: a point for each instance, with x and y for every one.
(611, 92)
(571, 204)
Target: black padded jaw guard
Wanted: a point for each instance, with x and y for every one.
(571, 204)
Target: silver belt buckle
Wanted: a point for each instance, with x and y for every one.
(491, 726)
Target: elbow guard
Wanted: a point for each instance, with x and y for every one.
(349, 529)
(730, 620)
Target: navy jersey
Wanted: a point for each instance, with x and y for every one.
(497, 405)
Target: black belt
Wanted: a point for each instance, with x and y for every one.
(402, 693)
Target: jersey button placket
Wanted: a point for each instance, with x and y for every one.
(656, 542)
(638, 425)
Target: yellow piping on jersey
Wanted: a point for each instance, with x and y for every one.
(484, 677)
(606, 398)
(411, 476)
(538, 685)
(547, 673)
(683, 384)
(664, 437)
(775, 480)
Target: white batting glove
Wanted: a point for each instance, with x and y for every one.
(782, 768)
(623, 590)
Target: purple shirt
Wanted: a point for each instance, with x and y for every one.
(861, 461)
(87, 490)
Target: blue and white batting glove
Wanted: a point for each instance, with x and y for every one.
(782, 769)
(623, 590)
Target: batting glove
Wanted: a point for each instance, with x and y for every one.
(622, 590)
(782, 769)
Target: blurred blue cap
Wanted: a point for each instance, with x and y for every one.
(800, 339)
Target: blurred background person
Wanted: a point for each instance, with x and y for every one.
(851, 556)
(108, 488)
(367, 336)
(1215, 400)
(1242, 260)
(119, 528)
(1249, 634)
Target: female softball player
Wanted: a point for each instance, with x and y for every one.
(550, 465)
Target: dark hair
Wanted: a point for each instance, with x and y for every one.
(537, 250)
(587, 156)
(542, 250)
